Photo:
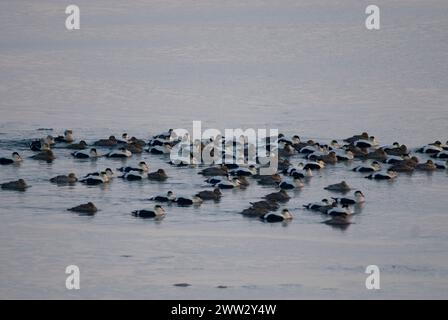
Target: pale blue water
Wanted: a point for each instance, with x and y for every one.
(307, 68)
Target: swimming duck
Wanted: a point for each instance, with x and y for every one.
(309, 149)
(281, 196)
(378, 154)
(164, 149)
(93, 180)
(269, 205)
(285, 215)
(365, 143)
(298, 172)
(165, 135)
(243, 182)
(341, 186)
(168, 198)
(315, 165)
(62, 179)
(45, 155)
(272, 180)
(134, 148)
(389, 175)
(142, 167)
(42, 144)
(375, 166)
(251, 170)
(254, 211)
(19, 185)
(214, 171)
(359, 198)
(317, 206)
(343, 155)
(330, 158)
(353, 139)
(428, 166)
(294, 183)
(158, 175)
(441, 164)
(157, 212)
(397, 150)
(16, 158)
(78, 146)
(336, 211)
(393, 159)
(340, 220)
(431, 148)
(441, 155)
(112, 141)
(87, 208)
(120, 153)
(217, 179)
(195, 200)
(67, 137)
(108, 172)
(83, 154)
(210, 195)
(228, 184)
(124, 139)
(133, 175)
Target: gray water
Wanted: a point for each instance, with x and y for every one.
(305, 67)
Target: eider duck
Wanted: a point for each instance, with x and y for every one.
(82, 145)
(45, 155)
(336, 211)
(157, 212)
(142, 167)
(158, 175)
(431, 148)
(247, 172)
(343, 155)
(120, 153)
(215, 180)
(428, 166)
(359, 198)
(269, 205)
(133, 175)
(112, 141)
(182, 201)
(272, 180)
(42, 144)
(365, 143)
(164, 135)
(288, 184)
(397, 150)
(67, 137)
(83, 154)
(16, 158)
(63, 179)
(87, 208)
(281, 196)
(317, 206)
(168, 198)
(19, 185)
(228, 184)
(254, 211)
(378, 154)
(393, 159)
(375, 166)
(330, 158)
(441, 164)
(389, 175)
(164, 149)
(317, 165)
(216, 194)
(214, 171)
(353, 139)
(285, 215)
(93, 180)
(441, 155)
(341, 186)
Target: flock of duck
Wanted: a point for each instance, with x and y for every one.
(379, 163)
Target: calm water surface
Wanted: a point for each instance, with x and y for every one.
(304, 67)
